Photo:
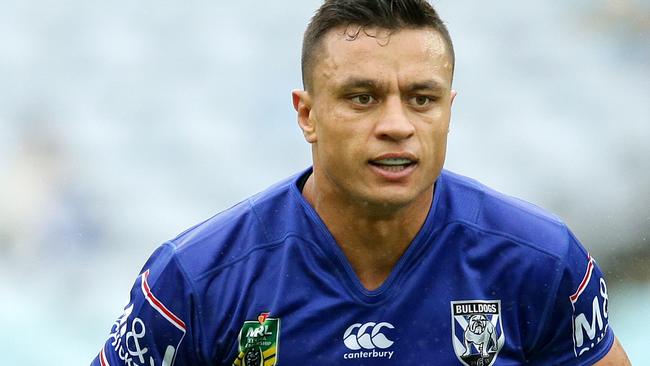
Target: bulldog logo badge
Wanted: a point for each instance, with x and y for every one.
(477, 333)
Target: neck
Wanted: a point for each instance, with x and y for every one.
(372, 236)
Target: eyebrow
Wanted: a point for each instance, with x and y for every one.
(358, 83)
(431, 85)
(364, 83)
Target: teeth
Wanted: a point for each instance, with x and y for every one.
(393, 161)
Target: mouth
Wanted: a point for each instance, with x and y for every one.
(394, 164)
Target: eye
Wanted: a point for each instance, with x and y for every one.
(363, 99)
(421, 100)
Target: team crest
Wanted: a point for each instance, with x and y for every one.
(258, 342)
(477, 333)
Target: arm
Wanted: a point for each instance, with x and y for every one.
(615, 357)
(577, 332)
(156, 326)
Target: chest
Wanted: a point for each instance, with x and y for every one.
(446, 305)
(418, 322)
(459, 332)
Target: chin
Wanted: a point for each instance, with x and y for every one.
(392, 198)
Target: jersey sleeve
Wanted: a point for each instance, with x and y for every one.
(156, 326)
(576, 330)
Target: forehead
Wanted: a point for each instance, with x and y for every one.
(406, 55)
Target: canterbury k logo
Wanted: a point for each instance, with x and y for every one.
(368, 336)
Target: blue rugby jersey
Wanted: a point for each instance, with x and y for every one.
(488, 280)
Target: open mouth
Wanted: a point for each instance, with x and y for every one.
(393, 164)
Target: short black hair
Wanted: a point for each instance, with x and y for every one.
(387, 14)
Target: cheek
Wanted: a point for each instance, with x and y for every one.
(340, 134)
(434, 141)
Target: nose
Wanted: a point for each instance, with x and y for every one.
(394, 123)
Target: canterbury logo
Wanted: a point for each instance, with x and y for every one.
(367, 336)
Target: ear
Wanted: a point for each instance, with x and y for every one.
(302, 104)
(451, 103)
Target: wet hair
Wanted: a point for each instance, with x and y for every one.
(392, 15)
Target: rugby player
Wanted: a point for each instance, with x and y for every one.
(375, 255)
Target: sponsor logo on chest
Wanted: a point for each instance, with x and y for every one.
(477, 332)
(367, 340)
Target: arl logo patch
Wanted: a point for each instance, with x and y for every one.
(477, 332)
(258, 342)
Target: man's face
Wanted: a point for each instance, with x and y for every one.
(378, 113)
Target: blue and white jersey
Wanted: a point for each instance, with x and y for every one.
(488, 280)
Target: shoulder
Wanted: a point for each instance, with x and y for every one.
(560, 288)
(247, 228)
(490, 212)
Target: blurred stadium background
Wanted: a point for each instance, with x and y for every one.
(123, 123)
